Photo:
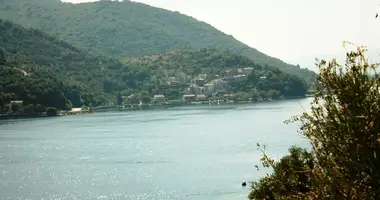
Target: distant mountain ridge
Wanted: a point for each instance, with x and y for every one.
(129, 29)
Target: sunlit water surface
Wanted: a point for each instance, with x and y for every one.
(197, 152)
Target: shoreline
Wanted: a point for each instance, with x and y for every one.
(183, 104)
(144, 107)
(42, 115)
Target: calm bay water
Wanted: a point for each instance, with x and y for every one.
(197, 152)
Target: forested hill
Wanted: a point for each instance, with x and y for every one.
(85, 79)
(38, 89)
(33, 50)
(129, 29)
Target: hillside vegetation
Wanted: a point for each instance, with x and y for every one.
(33, 62)
(38, 90)
(218, 64)
(128, 29)
(85, 73)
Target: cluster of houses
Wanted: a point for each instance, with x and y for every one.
(198, 89)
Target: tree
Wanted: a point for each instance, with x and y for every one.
(39, 108)
(119, 99)
(8, 109)
(69, 105)
(255, 95)
(263, 94)
(274, 94)
(2, 58)
(286, 179)
(17, 108)
(144, 97)
(126, 92)
(29, 109)
(172, 94)
(344, 130)
(51, 111)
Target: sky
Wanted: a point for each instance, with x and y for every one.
(292, 30)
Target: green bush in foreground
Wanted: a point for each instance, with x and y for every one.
(290, 176)
(344, 130)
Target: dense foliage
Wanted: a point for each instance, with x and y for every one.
(344, 132)
(129, 29)
(290, 176)
(38, 89)
(86, 75)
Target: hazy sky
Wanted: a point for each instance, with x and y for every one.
(287, 29)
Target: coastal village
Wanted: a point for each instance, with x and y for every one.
(194, 90)
(191, 90)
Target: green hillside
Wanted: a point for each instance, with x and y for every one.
(38, 90)
(40, 69)
(128, 29)
(33, 51)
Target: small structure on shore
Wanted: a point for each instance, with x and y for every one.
(159, 98)
(133, 99)
(189, 97)
(16, 102)
(201, 97)
(74, 111)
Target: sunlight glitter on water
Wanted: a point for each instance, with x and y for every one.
(180, 153)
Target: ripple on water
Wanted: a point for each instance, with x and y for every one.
(193, 153)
